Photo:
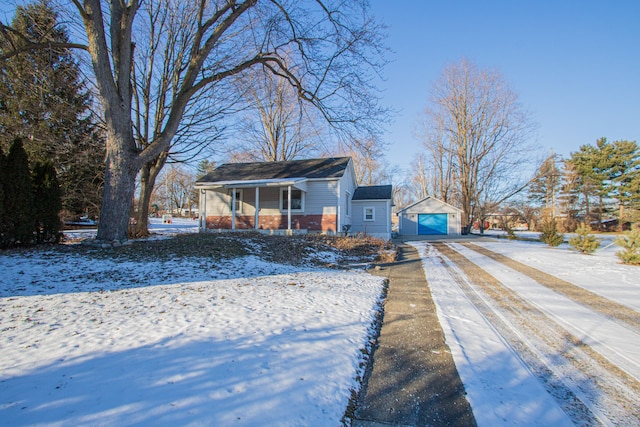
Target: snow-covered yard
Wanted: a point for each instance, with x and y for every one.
(535, 350)
(245, 342)
(89, 341)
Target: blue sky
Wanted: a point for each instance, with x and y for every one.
(575, 64)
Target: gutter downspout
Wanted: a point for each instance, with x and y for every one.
(389, 217)
(339, 209)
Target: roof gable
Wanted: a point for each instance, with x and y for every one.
(327, 168)
(426, 201)
(373, 192)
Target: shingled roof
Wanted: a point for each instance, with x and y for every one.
(333, 167)
(373, 192)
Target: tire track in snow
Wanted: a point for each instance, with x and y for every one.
(617, 343)
(588, 387)
(608, 308)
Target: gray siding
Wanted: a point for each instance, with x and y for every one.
(321, 197)
(380, 226)
(346, 189)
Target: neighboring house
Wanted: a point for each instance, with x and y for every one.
(295, 196)
(429, 217)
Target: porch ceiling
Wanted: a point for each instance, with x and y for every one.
(299, 183)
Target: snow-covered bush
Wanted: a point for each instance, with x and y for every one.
(630, 243)
(550, 234)
(584, 242)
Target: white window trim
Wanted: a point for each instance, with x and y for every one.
(239, 200)
(373, 213)
(282, 199)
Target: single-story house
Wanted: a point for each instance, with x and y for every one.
(297, 196)
(430, 217)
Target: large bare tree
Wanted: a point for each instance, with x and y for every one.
(367, 155)
(327, 50)
(165, 34)
(420, 180)
(478, 137)
(276, 125)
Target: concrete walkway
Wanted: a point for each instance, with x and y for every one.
(413, 380)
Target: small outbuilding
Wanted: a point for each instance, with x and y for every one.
(429, 217)
(372, 211)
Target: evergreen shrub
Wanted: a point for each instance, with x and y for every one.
(584, 242)
(550, 234)
(630, 243)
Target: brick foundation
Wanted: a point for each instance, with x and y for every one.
(324, 223)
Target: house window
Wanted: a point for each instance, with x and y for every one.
(369, 213)
(297, 200)
(238, 201)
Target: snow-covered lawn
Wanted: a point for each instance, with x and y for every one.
(242, 343)
(515, 358)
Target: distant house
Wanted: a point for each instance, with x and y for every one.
(430, 217)
(298, 196)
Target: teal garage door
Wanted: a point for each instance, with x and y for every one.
(432, 224)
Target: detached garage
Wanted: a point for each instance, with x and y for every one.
(429, 217)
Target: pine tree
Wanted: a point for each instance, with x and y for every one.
(544, 188)
(3, 219)
(584, 242)
(47, 203)
(204, 167)
(630, 243)
(44, 100)
(608, 170)
(18, 200)
(625, 180)
(591, 165)
(550, 234)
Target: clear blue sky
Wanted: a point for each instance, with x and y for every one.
(575, 64)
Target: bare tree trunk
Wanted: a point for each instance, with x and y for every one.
(141, 226)
(148, 175)
(118, 192)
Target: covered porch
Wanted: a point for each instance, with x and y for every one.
(272, 205)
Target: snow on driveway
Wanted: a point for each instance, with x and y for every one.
(620, 345)
(270, 345)
(521, 367)
(500, 388)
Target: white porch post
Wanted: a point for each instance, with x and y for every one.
(257, 207)
(233, 208)
(289, 207)
(203, 210)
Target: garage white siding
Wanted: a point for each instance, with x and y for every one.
(429, 217)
